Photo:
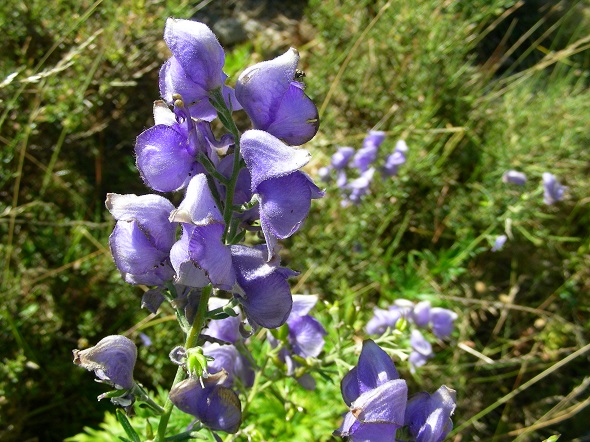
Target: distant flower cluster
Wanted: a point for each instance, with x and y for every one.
(553, 191)
(379, 403)
(419, 315)
(359, 164)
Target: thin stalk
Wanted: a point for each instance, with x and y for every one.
(191, 340)
(225, 117)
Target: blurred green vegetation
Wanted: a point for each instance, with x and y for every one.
(475, 88)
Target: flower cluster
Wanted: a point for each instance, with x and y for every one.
(553, 191)
(347, 159)
(379, 404)
(232, 183)
(421, 315)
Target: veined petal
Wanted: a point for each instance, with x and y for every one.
(132, 250)
(151, 214)
(302, 305)
(163, 159)
(284, 204)
(210, 254)
(187, 273)
(268, 157)
(296, 120)
(385, 403)
(198, 206)
(375, 367)
(197, 50)
(261, 87)
(306, 336)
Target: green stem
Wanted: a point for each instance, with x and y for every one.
(225, 116)
(191, 340)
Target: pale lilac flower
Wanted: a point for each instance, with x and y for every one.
(382, 320)
(367, 154)
(553, 190)
(324, 174)
(428, 417)
(166, 154)
(284, 192)
(421, 314)
(276, 102)
(360, 186)
(514, 177)
(112, 359)
(341, 157)
(228, 358)
(442, 321)
(341, 179)
(216, 406)
(396, 159)
(266, 295)
(195, 68)
(142, 238)
(499, 242)
(421, 350)
(376, 397)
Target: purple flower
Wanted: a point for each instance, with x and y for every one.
(376, 397)
(195, 68)
(428, 417)
(266, 295)
(382, 320)
(367, 154)
(112, 360)
(306, 334)
(324, 174)
(442, 321)
(396, 159)
(216, 406)
(360, 186)
(553, 190)
(166, 154)
(227, 358)
(200, 256)
(499, 242)
(421, 314)
(341, 157)
(275, 102)
(284, 192)
(142, 238)
(421, 350)
(514, 177)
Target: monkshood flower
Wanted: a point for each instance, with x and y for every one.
(305, 337)
(382, 320)
(553, 190)
(376, 396)
(112, 360)
(441, 321)
(276, 102)
(421, 350)
(266, 295)
(396, 159)
(421, 314)
(284, 192)
(341, 157)
(227, 356)
(166, 154)
(195, 68)
(514, 177)
(428, 417)
(499, 243)
(214, 405)
(367, 154)
(142, 238)
(359, 187)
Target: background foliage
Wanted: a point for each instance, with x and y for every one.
(475, 88)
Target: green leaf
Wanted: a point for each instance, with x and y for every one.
(127, 426)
